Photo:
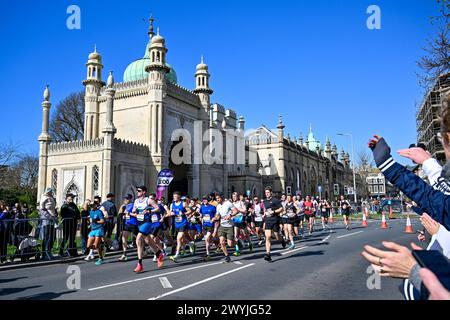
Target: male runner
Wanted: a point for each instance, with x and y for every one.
(179, 210)
(225, 212)
(130, 227)
(208, 216)
(345, 210)
(272, 209)
(257, 210)
(239, 223)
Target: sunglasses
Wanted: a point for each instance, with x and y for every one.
(139, 190)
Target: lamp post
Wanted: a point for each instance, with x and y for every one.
(353, 163)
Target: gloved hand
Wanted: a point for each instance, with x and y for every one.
(381, 150)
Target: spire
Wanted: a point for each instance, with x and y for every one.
(46, 94)
(310, 128)
(151, 33)
(201, 59)
(157, 31)
(95, 48)
(280, 122)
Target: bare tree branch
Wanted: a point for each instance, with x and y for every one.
(67, 122)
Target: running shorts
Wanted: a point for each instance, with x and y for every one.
(131, 228)
(272, 223)
(196, 227)
(259, 224)
(146, 228)
(208, 229)
(240, 225)
(227, 233)
(99, 233)
(183, 228)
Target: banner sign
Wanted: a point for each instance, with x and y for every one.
(165, 177)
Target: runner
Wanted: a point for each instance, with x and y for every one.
(309, 212)
(110, 213)
(156, 217)
(97, 233)
(290, 215)
(179, 210)
(257, 211)
(195, 225)
(130, 227)
(345, 210)
(208, 217)
(143, 210)
(239, 226)
(225, 212)
(296, 220)
(272, 209)
(325, 213)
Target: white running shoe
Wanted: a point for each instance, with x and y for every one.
(155, 258)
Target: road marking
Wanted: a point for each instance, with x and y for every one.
(154, 276)
(326, 239)
(293, 250)
(350, 234)
(238, 262)
(200, 282)
(165, 283)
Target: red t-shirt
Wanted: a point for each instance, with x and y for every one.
(308, 207)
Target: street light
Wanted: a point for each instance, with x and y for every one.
(353, 164)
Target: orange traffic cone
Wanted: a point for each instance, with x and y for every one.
(330, 219)
(391, 213)
(364, 221)
(383, 222)
(409, 228)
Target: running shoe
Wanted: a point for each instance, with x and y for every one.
(192, 248)
(123, 258)
(183, 253)
(218, 250)
(267, 257)
(236, 254)
(292, 246)
(283, 243)
(89, 258)
(173, 258)
(260, 243)
(227, 259)
(160, 260)
(99, 262)
(250, 247)
(139, 268)
(155, 258)
(206, 258)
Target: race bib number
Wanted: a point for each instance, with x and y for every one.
(178, 218)
(269, 212)
(258, 218)
(344, 206)
(324, 210)
(206, 218)
(291, 214)
(154, 218)
(127, 217)
(140, 217)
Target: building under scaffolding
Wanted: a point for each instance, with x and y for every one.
(427, 118)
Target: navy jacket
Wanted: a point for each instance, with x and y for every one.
(431, 201)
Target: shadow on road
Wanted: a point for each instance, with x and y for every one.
(8, 291)
(301, 254)
(46, 295)
(12, 279)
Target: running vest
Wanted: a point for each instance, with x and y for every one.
(155, 217)
(180, 214)
(140, 208)
(130, 220)
(259, 211)
(239, 217)
(290, 210)
(208, 213)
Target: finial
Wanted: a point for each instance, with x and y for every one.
(310, 128)
(157, 31)
(46, 93)
(201, 59)
(110, 82)
(95, 48)
(151, 33)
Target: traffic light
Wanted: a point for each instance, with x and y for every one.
(336, 189)
(345, 190)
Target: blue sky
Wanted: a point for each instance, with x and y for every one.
(311, 61)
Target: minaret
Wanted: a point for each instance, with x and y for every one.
(281, 157)
(280, 128)
(93, 84)
(202, 88)
(156, 93)
(44, 141)
(328, 148)
(342, 156)
(108, 133)
(300, 139)
(334, 151)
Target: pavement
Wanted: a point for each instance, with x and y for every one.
(327, 265)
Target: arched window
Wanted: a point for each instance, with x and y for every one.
(54, 180)
(95, 174)
(73, 189)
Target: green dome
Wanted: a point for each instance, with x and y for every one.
(136, 70)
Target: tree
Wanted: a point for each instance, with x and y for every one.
(436, 60)
(67, 122)
(363, 167)
(8, 155)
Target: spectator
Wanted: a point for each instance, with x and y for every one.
(49, 217)
(84, 228)
(109, 210)
(436, 289)
(70, 214)
(4, 237)
(25, 211)
(121, 221)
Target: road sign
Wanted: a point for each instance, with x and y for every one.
(349, 190)
(319, 188)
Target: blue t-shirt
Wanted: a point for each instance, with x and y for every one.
(208, 212)
(96, 216)
(132, 220)
(180, 214)
(155, 217)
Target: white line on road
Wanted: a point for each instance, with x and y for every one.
(326, 239)
(200, 282)
(350, 234)
(238, 262)
(155, 276)
(293, 250)
(165, 283)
